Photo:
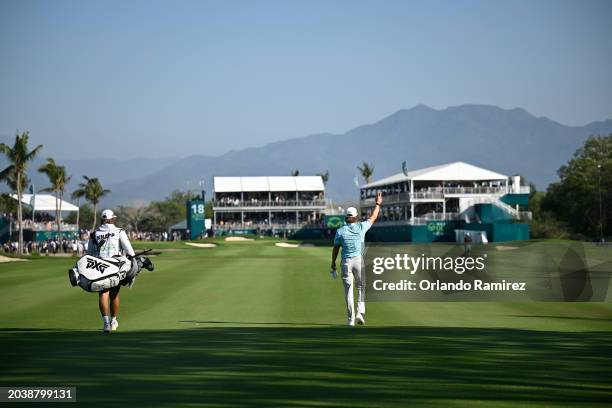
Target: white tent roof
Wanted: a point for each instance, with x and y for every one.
(309, 183)
(282, 183)
(44, 202)
(457, 171)
(254, 183)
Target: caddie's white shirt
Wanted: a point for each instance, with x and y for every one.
(108, 240)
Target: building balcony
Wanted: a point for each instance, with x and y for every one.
(266, 226)
(274, 205)
(474, 190)
(435, 194)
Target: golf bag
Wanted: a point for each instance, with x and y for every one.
(95, 274)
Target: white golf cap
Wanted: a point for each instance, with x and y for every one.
(351, 212)
(108, 214)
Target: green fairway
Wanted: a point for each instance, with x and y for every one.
(252, 324)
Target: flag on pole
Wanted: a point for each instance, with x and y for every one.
(33, 200)
(33, 195)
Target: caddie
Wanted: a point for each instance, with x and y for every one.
(105, 242)
(350, 238)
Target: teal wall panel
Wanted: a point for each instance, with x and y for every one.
(510, 232)
(490, 213)
(514, 199)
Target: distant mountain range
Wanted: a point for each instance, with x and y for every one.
(508, 141)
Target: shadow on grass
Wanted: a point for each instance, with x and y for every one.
(306, 366)
(603, 319)
(258, 323)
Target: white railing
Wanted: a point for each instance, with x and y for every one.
(491, 200)
(427, 195)
(418, 221)
(421, 220)
(405, 197)
(266, 226)
(260, 204)
(434, 193)
(441, 216)
(474, 190)
(508, 208)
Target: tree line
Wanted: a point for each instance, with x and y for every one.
(578, 205)
(15, 175)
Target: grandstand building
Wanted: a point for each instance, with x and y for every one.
(39, 219)
(248, 204)
(442, 203)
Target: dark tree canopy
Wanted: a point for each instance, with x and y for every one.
(575, 199)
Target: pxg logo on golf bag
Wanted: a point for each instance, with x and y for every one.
(96, 265)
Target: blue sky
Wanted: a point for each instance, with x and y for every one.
(174, 78)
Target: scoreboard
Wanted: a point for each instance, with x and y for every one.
(195, 218)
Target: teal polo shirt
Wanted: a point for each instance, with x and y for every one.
(351, 237)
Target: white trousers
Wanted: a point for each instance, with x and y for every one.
(352, 272)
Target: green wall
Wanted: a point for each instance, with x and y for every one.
(496, 232)
(45, 235)
(310, 233)
(514, 199)
(394, 233)
(490, 213)
(510, 232)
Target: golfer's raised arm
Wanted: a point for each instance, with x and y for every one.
(376, 210)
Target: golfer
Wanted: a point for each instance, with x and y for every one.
(467, 244)
(105, 242)
(350, 237)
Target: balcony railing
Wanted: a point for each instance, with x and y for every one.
(436, 193)
(266, 226)
(441, 216)
(474, 190)
(259, 203)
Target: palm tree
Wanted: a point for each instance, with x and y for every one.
(92, 191)
(295, 173)
(324, 177)
(367, 170)
(58, 179)
(12, 204)
(18, 156)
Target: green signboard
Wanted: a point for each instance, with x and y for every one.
(441, 231)
(334, 221)
(195, 218)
